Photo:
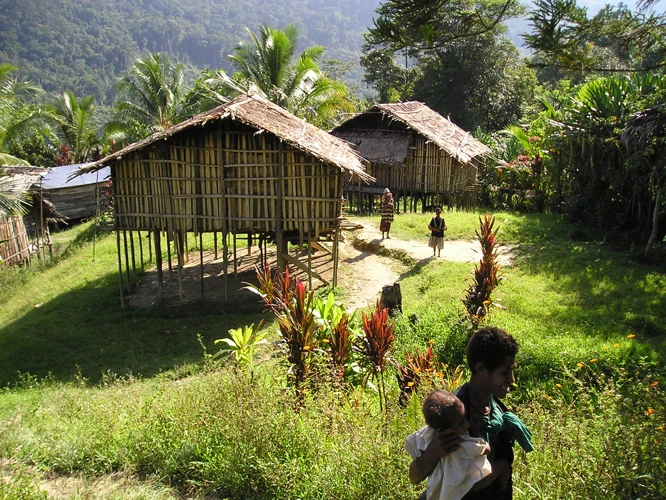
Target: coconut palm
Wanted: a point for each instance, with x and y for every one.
(15, 116)
(268, 65)
(12, 201)
(72, 124)
(151, 97)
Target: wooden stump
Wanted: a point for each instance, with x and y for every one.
(391, 298)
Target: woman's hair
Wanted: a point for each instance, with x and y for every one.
(439, 409)
(490, 346)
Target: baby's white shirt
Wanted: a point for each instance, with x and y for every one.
(457, 472)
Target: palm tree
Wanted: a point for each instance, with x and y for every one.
(73, 124)
(15, 116)
(152, 97)
(267, 65)
(12, 201)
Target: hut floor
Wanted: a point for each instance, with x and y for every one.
(146, 293)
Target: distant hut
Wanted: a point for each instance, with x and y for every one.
(415, 152)
(75, 198)
(245, 168)
(20, 235)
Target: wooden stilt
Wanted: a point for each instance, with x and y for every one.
(201, 263)
(336, 239)
(127, 263)
(132, 252)
(178, 247)
(169, 257)
(150, 246)
(141, 252)
(235, 257)
(158, 263)
(309, 265)
(225, 263)
(215, 243)
(120, 271)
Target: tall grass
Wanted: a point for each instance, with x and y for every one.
(591, 382)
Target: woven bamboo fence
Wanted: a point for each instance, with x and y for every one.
(16, 247)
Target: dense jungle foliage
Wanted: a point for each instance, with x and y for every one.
(85, 45)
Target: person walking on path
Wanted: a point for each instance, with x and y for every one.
(388, 208)
(437, 227)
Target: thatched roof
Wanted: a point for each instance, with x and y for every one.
(23, 178)
(430, 124)
(383, 146)
(265, 116)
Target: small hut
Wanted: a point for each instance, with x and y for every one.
(416, 153)
(245, 168)
(15, 240)
(75, 198)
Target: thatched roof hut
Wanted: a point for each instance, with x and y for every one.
(415, 151)
(247, 167)
(15, 240)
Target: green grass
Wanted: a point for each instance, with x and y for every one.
(589, 319)
(66, 321)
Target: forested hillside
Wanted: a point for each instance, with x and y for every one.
(82, 45)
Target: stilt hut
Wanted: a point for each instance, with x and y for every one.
(416, 153)
(245, 168)
(16, 242)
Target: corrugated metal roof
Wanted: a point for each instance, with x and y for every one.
(61, 177)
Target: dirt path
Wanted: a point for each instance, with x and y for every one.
(364, 273)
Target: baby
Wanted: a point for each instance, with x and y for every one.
(457, 472)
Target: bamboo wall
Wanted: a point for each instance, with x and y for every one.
(16, 249)
(226, 178)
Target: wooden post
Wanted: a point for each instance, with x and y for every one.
(309, 263)
(178, 247)
(129, 290)
(201, 263)
(120, 270)
(279, 237)
(141, 251)
(136, 281)
(169, 256)
(158, 263)
(215, 243)
(235, 257)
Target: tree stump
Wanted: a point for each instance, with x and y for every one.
(391, 298)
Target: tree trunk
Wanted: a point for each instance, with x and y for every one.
(656, 214)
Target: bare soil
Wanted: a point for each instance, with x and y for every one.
(362, 271)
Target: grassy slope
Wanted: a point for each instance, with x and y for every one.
(67, 321)
(571, 304)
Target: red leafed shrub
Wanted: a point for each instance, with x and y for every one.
(486, 276)
(375, 346)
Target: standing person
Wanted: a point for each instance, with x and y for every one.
(437, 227)
(491, 357)
(387, 213)
(457, 472)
